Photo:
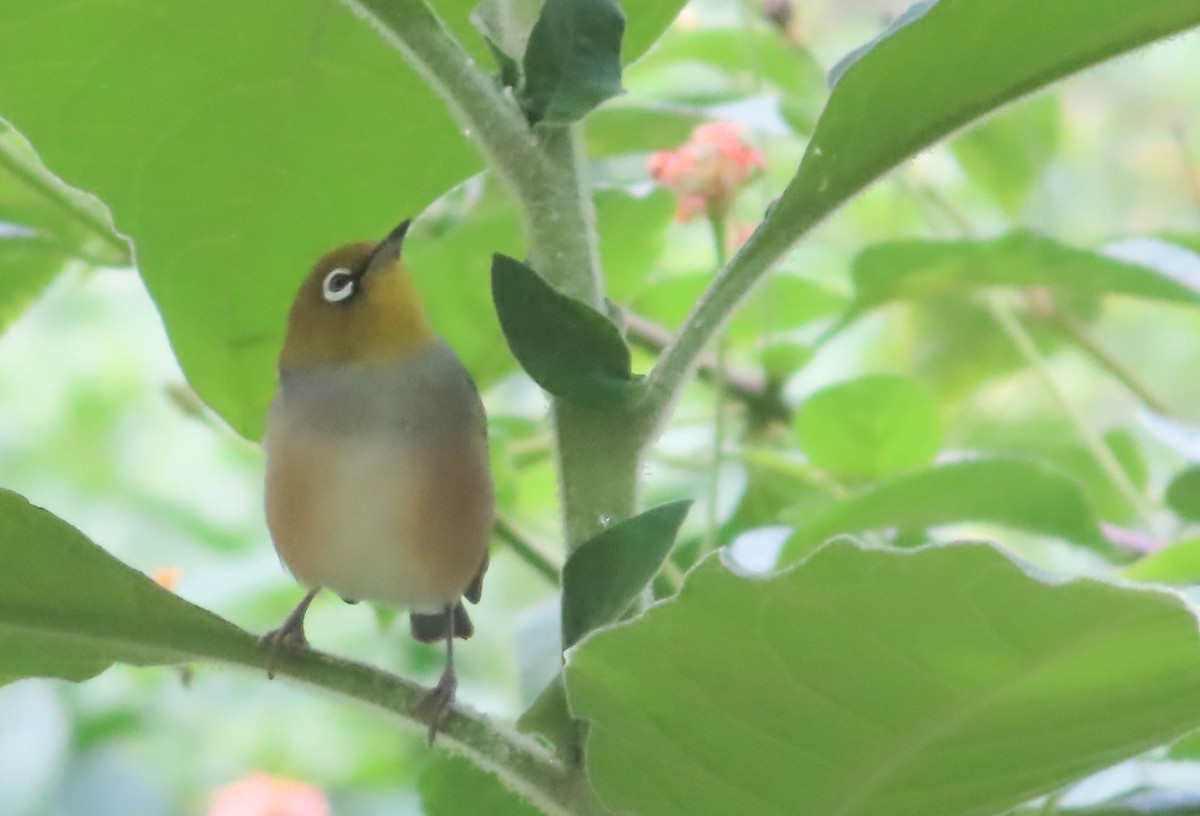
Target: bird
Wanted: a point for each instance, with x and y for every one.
(378, 484)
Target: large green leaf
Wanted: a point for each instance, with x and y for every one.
(943, 64)
(604, 576)
(645, 21)
(68, 609)
(943, 681)
(453, 786)
(449, 255)
(870, 426)
(900, 270)
(573, 59)
(232, 154)
(1177, 563)
(1010, 492)
(43, 225)
(1008, 154)
(566, 346)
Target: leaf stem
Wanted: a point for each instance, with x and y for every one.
(765, 246)
(1079, 335)
(1003, 314)
(525, 549)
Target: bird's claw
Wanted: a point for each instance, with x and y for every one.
(285, 638)
(435, 706)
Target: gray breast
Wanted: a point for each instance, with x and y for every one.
(428, 392)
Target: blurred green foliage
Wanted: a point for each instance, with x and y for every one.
(908, 417)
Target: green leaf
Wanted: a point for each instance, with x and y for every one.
(68, 609)
(1009, 492)
(753, 57)
(572, 62)
(637, 127)
(945, 680)
(230, 175)
(1008, 154)
(870, 426)
(646, 20)
(941, 65)
(632, 231)
(1183, 494)
(903, 270)
(43, 225)
(449, 255)
(452, 786)
(748, 58)
(549, 716)
(604, 576)
(27, 265)
(1178, 563)
(566, 346)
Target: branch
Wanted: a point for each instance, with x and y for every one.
(763, 401)
(732, 285)
(522, 765)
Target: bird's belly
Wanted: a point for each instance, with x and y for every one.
(378, 516)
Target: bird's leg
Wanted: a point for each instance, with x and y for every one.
(288, 636)
(436, 704)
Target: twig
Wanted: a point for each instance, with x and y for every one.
(1003, 315)
(1102, 357)
(521, 764)
(740, 383)
(525, 549)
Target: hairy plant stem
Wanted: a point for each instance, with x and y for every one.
(521, 764)
(677, 363)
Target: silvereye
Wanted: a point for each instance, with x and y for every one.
(378, 485)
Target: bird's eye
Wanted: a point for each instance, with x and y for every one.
(338, 285)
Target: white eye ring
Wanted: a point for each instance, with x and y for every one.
(338, 285)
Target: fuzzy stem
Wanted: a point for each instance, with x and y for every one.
(715, 306)
(523, 766)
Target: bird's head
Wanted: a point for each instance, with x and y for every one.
(357, 305)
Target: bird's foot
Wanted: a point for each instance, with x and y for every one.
(435, 706)
(284, 639)
(288, 637)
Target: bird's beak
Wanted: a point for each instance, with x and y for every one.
(388, 249)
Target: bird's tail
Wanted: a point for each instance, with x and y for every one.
(432, 628)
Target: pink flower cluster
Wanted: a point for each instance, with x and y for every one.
(708, 170)
(263, 795)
